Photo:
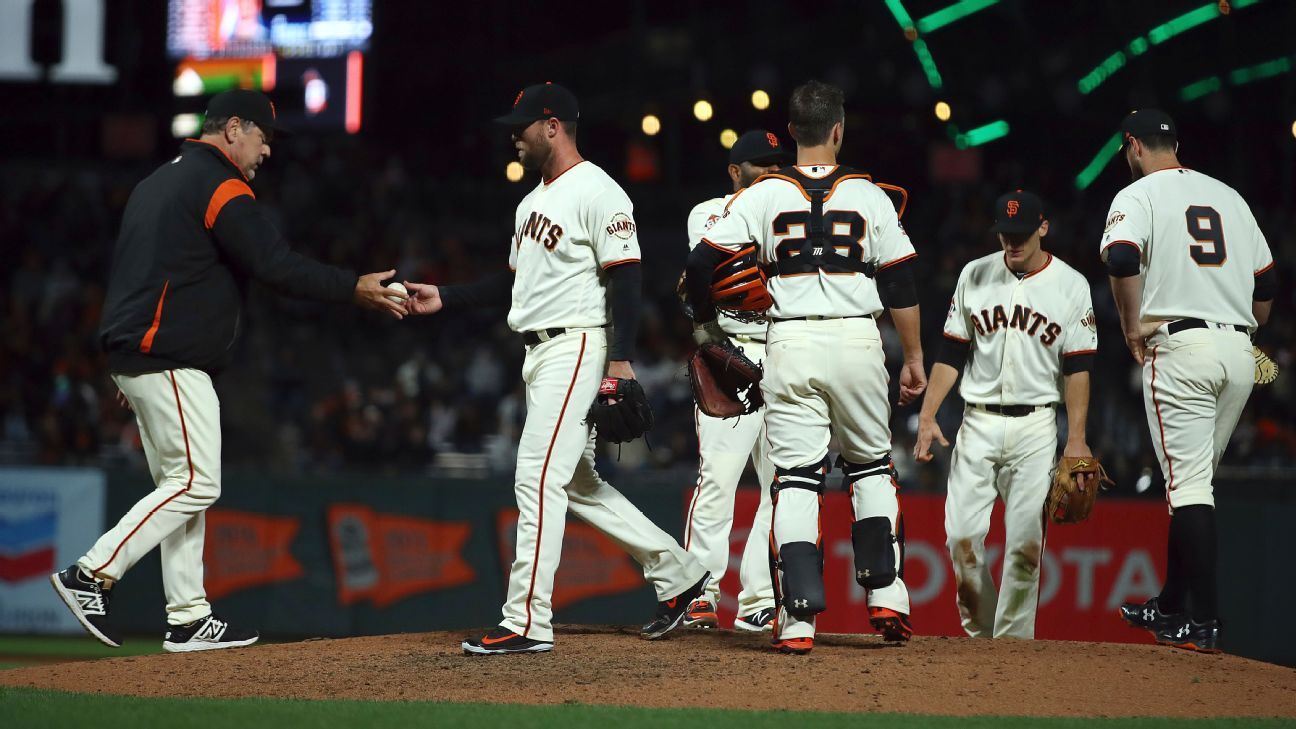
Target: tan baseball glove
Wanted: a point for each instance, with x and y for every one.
(1266, 370)
(1068, 502)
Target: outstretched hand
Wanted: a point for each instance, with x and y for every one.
(928, 431)
(423, 299)
(371, 294)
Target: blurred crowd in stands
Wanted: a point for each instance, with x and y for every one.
(321, 388)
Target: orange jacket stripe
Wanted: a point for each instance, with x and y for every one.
(146, 344)
(227, 191)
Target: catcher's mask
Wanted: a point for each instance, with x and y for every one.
(738, 287)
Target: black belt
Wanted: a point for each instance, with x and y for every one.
(531, 339)
(816, 317)
(1178, 326)
(1012, 411)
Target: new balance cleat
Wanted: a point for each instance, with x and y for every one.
(757, 622)
(206, 634)
(894, 626)
(1190, 635)
(701, 613)
(670, 613)
(88, 600)
(501, 641)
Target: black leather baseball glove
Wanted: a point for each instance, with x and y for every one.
(621, 412)
(726, 383)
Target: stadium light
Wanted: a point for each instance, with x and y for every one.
(650, 125)
(1268, 69)
(901, 15)
(952, 13)
(727, 138)
(982, 134)
(702, 110)
(185, 125)
(760, 99)
(1198, 89)
(1189, 20)
(1294, 129)
(514, 171)
(1100, 160)
(942, 111)
(928, 63)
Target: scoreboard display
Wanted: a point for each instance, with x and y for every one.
(308, 55)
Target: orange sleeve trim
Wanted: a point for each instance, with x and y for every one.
(1266, 268)
(1079, 351)
(227, 191)
(722, 249)
(1122, 242)
(621, 262)
(885, 266)
(960, 340)
(146, 344)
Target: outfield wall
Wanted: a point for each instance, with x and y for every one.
(352, 555)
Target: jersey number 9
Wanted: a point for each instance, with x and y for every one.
(1205, 227)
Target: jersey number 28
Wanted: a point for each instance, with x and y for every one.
(1205, 227)
(846, 242)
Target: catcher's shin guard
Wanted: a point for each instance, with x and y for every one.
(796, 564)
(877, 535)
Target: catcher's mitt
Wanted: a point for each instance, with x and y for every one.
(621, 412)
(726, 383)
(1067, 502)
(1266, 370)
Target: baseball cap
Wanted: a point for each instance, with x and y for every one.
(1017, 212)
(1145, 122)
(756, 145)
(247, 104)
(542, 101)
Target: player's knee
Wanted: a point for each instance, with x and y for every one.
(812, 477)
(803, 590)
(876, 558)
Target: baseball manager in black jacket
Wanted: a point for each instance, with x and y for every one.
(192, 237)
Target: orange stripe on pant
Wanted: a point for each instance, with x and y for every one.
(188, 457)
(544, 471)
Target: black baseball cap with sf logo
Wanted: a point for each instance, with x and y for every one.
(1018, 212)
(542, 101)
(248, 105)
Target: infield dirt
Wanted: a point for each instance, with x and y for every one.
(718, 669)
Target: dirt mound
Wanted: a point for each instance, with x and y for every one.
(608, 665)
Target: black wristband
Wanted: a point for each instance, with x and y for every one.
(1122, 260)
(625, 283)
(1073, 363)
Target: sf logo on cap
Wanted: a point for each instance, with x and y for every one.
(1012, 208)
(773, 140)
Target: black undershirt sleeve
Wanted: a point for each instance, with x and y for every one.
(953, 352)
(896, 285)
(491, 291)
(701, 265)
(1078, 363)
(625, 285)
(1122, 260)
(1266, 285)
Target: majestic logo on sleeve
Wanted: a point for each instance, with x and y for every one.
(1115, 218)
(1032, 322)
(622, 226)
(541, 229)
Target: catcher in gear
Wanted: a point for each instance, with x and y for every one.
(1021, 326)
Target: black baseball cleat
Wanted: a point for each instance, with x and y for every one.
(1191, 635)
(1148, 616)
(501, 641)
(670, 613)
(206, 634)
(757, 622)
(88, 600)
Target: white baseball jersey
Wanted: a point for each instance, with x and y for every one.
(567, 232)
(1200, 252)
(1020, 329)
(859, 217)
(700, 221)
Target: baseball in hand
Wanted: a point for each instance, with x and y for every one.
(397, 286)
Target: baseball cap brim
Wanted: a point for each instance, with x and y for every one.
(513, 119)
(1015, 227)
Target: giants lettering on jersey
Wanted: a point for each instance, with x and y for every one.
(541, 229)
(1031, 322)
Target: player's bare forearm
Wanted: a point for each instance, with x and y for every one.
(620, 368)
(942, 381)
(1076, 395)
(907, 323)
(1128, 294)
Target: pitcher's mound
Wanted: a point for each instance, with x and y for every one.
(718, 669)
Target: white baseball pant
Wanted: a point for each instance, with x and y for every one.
(555, 472)
(179, 424)
(823, 379)
(998, 456)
